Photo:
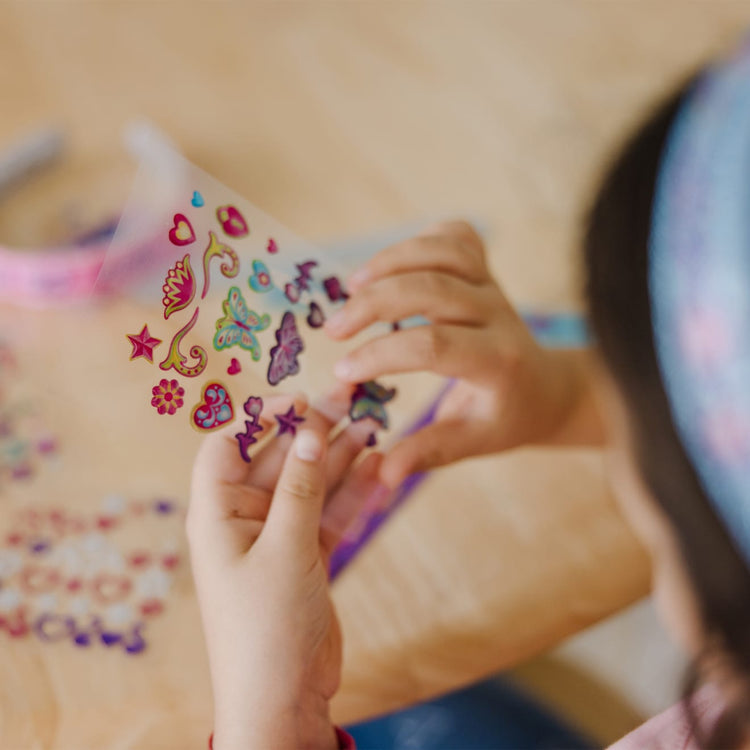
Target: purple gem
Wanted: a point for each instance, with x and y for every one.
(164, 506)
(372, 440)
(47, 445)
(110, 638)
(82, 639)
(39, 546)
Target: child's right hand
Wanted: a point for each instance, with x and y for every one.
(510, 391)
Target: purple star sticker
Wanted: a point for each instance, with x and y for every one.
(288, 422)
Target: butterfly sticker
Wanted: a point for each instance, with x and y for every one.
(302, 281)
(368, 400)
(284, 355)
(260, 280)
(239, 325)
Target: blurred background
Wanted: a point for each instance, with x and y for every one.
(347, 120)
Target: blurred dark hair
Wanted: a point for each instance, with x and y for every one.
(616, 259)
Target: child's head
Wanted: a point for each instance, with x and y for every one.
(701, 574)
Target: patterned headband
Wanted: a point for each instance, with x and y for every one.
(699, 282)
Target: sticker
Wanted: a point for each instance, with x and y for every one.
(304, 278)
(232, 221)
(272, 247)
(372, 440)
(238, 324)
(110, 588)
(260, 281)
(288, 422)
(334, 290)
(197, 200)
(179, 287)
(315, 318)
(234, 367)
(368, 400)
(181, 232)
(143, 344)
(214, 410)
(292, 293)
(217, 249)
(284, 355)
(167, 396)
(177, 360)
(253, 408)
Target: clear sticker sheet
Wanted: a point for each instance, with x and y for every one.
(224, 307)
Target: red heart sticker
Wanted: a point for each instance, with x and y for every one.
(214, 410)
(182, 232)
(234, 367)
(232, 221)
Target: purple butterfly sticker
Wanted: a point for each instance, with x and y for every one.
(284, 355)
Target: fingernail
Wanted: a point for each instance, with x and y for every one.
(342, 369)
(336, 321)
(308, 446)
(359, 277)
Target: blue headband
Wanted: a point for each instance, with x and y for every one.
(699, 282)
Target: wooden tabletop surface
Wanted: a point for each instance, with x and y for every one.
(337, 119)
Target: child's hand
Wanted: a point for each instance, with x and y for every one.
(509, 392)
(260, 562)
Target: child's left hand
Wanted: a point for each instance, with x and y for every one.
(260, 562)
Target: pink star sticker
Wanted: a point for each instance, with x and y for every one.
(288, 422)
(143, 344)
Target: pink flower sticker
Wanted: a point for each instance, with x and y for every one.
(167, 396)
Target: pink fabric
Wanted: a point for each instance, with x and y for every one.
(670, 730)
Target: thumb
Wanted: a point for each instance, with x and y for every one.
(436, 445)
(297, 505)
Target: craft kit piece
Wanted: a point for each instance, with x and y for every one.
(66, 579)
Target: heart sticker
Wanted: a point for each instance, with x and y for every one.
(214, 410)
(272, 247)
(232, 221)
(234, 367)
(260, 281)
(316, 318)
(198, 201)
(182, 232)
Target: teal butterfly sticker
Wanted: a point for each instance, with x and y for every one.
(239, 325)
(260, 279)
(368, 400)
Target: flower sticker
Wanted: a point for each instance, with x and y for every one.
(168, 396)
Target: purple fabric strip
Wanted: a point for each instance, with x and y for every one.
(346, 551)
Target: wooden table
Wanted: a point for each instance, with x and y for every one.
(337, 119)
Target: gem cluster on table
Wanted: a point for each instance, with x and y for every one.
(25, 442)
(237, 327)
(65, 579)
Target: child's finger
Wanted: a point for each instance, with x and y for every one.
(219, 461)
(345, 448)
(361, 488)
(453, 351)
(440, 297)
(324, 415)
(222, 512)
(433, 446)
(453, 248)
(294, 516)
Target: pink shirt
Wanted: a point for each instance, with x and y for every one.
(670, 729)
